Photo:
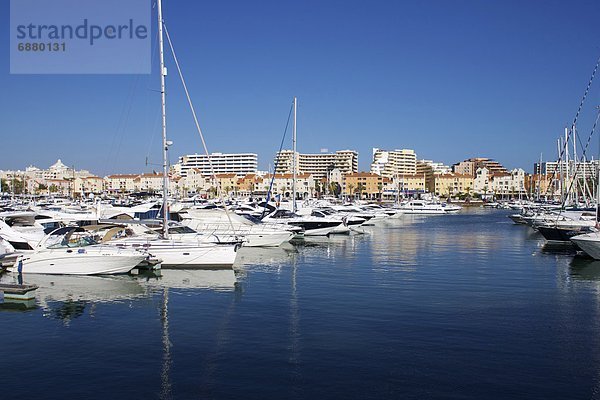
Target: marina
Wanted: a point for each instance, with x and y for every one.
(212, 232)
(467, 305)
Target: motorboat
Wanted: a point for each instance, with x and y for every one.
(349, 221)
(421, 207)
(227, 223)
(184, 248)
(589, 243)
(72, 251)
(562, 227)
(312, 226)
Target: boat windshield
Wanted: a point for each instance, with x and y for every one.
(73, 241)
(283, 214)
(181, 229)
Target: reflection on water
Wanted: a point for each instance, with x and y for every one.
(464, 306)
(219, 280)
(66, 297)
(565, 248)
(18, 305)
(585, 269)
(267, 256)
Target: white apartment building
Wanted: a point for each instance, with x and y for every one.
(283, 185)
(222, 163)
(435, 168)
(583, 169)
(390, 163)
(318, 165)
(508, 184)
(482, 181)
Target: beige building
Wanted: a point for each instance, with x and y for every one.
(540, 186)
(390, 163)
(226, 183)
(410, 183)
(249, 184)
(451, 184)
(365, 185)
(196, 182)
(61, 187)
(89, 185)
(283, 185)
(121, 183)
(469, 166)
(151, 182)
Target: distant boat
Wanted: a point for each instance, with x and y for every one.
(422, 207)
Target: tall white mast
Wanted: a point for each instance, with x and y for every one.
(294, 157)
(163, 73)
(576, 183)
(539, 182)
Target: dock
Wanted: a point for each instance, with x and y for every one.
(17, 292)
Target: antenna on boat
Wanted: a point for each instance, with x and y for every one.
(163, 73)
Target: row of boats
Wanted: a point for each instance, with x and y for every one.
(575, 226)
(102, 238)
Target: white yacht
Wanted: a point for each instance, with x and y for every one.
(183, 248)
(371, 217)
(72, 251)
(422, 207)
(312, 226)
(223, 224)
(24, 230)
(349, 221)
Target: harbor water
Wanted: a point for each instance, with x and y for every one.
(465, 306)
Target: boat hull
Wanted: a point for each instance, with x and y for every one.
(186, 255)
(76, 264)
(589, 243)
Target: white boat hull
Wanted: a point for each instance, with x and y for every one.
(589, 243)
(423, 212)
(62, 263)
(190, 255)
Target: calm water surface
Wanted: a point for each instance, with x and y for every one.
(467, 306)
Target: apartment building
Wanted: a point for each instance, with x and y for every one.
(389, 163)
(318, 165)
(150, 182)
(583, 169)
(222, 163)
(451, 184)
(121, 183)
(469, 166)
(365, 184)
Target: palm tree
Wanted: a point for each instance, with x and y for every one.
(350, 189)
(359, 189)
(468, 191)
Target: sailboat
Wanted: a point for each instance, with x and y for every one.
(310, 225)
(183, 251)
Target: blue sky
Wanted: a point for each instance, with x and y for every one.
(449, 79)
